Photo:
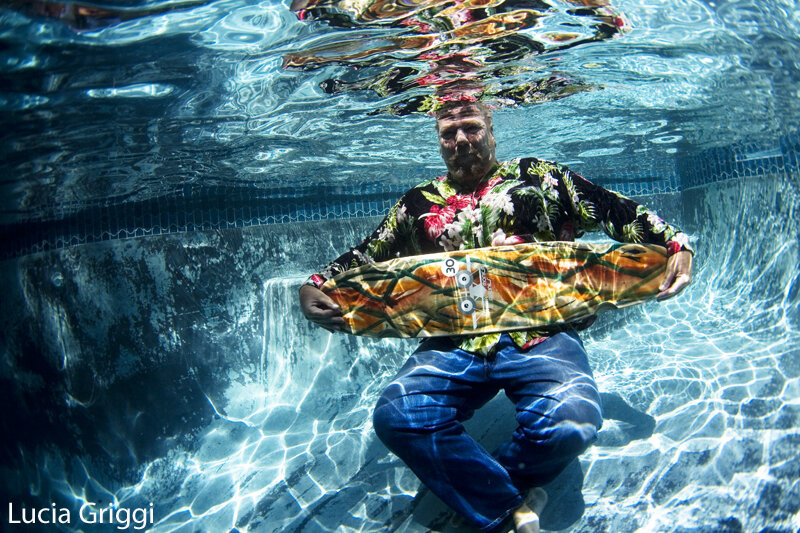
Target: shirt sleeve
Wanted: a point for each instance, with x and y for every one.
(390, 239)
(619, 217)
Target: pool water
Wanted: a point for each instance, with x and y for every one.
(168, 185)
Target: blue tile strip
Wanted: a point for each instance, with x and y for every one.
(198, 207)
(636, 176)
(740, 161)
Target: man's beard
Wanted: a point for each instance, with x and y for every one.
(466, 165)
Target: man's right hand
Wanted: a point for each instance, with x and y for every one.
(320, 309)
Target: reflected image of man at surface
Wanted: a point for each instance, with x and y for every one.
(545, 372)
(87, 17)
(442, 42)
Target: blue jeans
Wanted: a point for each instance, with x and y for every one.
(419, 418)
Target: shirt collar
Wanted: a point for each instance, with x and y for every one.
(466, 188)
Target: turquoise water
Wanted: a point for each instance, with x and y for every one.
(167, 185)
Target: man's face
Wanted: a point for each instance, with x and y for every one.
(466, 143)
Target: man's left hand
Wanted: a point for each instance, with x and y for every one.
(677, 276)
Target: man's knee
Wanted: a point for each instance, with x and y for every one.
(550, 450)
(394, 416)
(389, 420)
(568, 429)
(399, 416)
(572, 439)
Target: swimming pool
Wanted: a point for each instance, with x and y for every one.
(168, 186)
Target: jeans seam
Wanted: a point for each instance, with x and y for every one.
(503, 517)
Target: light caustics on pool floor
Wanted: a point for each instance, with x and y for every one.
(724, 401)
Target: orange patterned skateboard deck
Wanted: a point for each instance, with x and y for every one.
(487, 290)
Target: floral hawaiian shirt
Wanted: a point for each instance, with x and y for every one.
(522, 200)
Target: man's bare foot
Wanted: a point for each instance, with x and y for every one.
(526, 517)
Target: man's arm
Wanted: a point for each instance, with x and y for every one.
(386, 241)
(624, 220)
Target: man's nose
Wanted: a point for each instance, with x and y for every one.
(461, 137)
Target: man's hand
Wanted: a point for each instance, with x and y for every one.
(320, 309)
(677, 276)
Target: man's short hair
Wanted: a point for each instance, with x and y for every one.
(449, 108)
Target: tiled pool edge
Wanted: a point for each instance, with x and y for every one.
(201, 208)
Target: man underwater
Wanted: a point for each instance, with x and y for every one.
(545, 373)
